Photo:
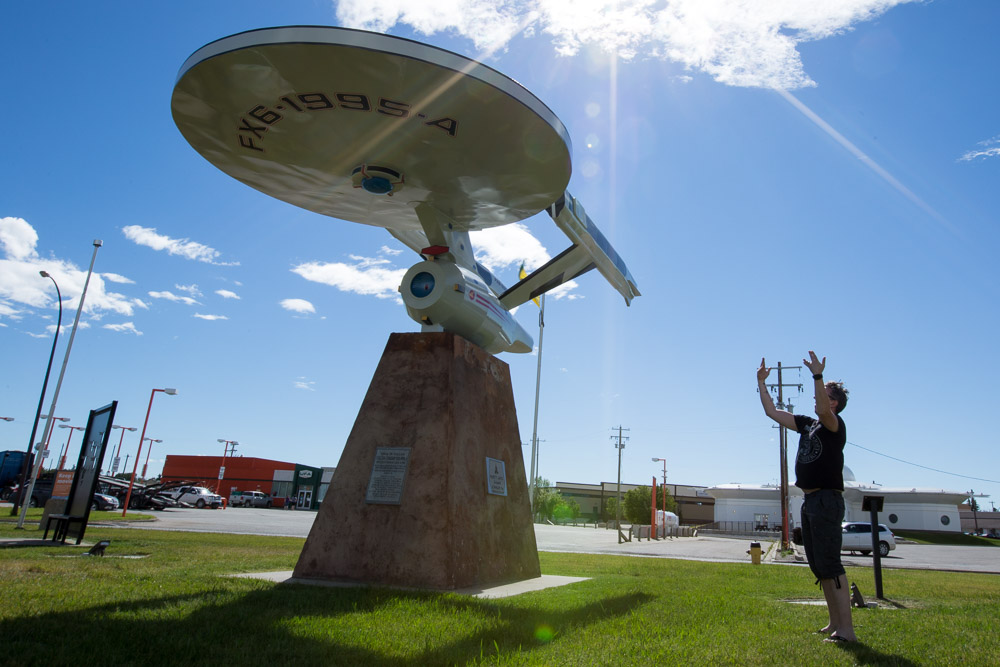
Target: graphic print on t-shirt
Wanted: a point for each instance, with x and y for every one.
(810, 446)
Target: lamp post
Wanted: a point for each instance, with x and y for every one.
(222, 468)
(114, 461)
(142, 436)
(45, 446)
(148, 452)
(664, 506)
(62, 372)
(620, 445)
(62, 459)
(41, 399)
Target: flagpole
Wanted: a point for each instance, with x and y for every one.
(534, 428)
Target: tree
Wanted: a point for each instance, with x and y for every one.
(546, 499)
(611, 508)
(637, 505)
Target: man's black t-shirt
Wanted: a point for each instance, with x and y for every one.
(819, 463)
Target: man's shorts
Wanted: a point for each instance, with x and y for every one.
(822, 532)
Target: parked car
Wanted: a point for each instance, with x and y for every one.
(858, 537)
(198, 496)
(103, 503)
(249, 499)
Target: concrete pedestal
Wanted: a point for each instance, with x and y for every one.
(448, 406)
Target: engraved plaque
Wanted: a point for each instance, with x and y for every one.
(385, 486)
(496, 477)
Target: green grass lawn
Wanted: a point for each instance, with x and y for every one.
(172, 606)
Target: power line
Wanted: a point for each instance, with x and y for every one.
(943, 472)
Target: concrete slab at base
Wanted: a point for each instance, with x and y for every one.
(450, 405)
(494, 592)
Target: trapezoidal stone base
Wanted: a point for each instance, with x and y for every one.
(412, 503)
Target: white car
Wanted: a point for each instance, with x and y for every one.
(858, 537)
(198, 496)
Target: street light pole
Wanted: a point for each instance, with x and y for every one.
(62, 373)
(620, 445)
(26, 466)
(114, 461)
(62, 459)
(148, 452)
(142, 436)
(655, 459)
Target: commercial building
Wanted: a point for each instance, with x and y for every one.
(281, 480)
(740, 505)
(694, 505)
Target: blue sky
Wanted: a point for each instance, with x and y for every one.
(778, 177)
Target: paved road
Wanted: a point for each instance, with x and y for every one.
(253, 521)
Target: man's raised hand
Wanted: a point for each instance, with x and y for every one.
(763, 371)
(814, 365)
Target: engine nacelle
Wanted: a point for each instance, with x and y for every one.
(439, 293)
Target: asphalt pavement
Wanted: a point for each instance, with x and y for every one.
(297, 523)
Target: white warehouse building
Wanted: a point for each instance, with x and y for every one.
(908, 509)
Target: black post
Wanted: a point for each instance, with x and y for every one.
(874, 504)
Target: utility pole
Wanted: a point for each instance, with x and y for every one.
(618, 505)
(783, 449)
(973, 507)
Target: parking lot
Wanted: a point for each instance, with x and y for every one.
(252, 521)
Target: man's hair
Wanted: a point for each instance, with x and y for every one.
(839, 394)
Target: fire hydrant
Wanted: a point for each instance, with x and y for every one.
(754, 552)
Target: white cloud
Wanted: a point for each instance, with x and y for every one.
(190, 290)
(22, 283)
(302, 383)
(367, 275)
(115, 278)
(147, 236)
(170, 296)
(126, 327)
(391, 252)
(507, 246)
(298, 306)
(210, 318)
(17, 238)
(488, 23)
(226, 294)
(504, 247)
(990, 148)
(750, 43)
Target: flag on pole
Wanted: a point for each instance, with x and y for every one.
(521, 275)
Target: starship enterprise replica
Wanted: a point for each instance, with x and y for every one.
(389, 132)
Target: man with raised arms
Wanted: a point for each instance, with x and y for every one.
(819, 472)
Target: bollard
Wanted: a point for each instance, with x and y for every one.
(754, 552)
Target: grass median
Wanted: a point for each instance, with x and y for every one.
(160, 598)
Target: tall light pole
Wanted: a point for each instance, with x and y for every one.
(62, 373)
(222, 468)
(142, 436)
(148, 452)
(620, 445)
(41, 399)
(62, 459)
(45, 445)
(664, 506)
(114, 461)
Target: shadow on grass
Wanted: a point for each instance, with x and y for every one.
(287, 623)
(864, 654)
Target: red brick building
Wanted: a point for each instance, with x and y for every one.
(243, 473)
